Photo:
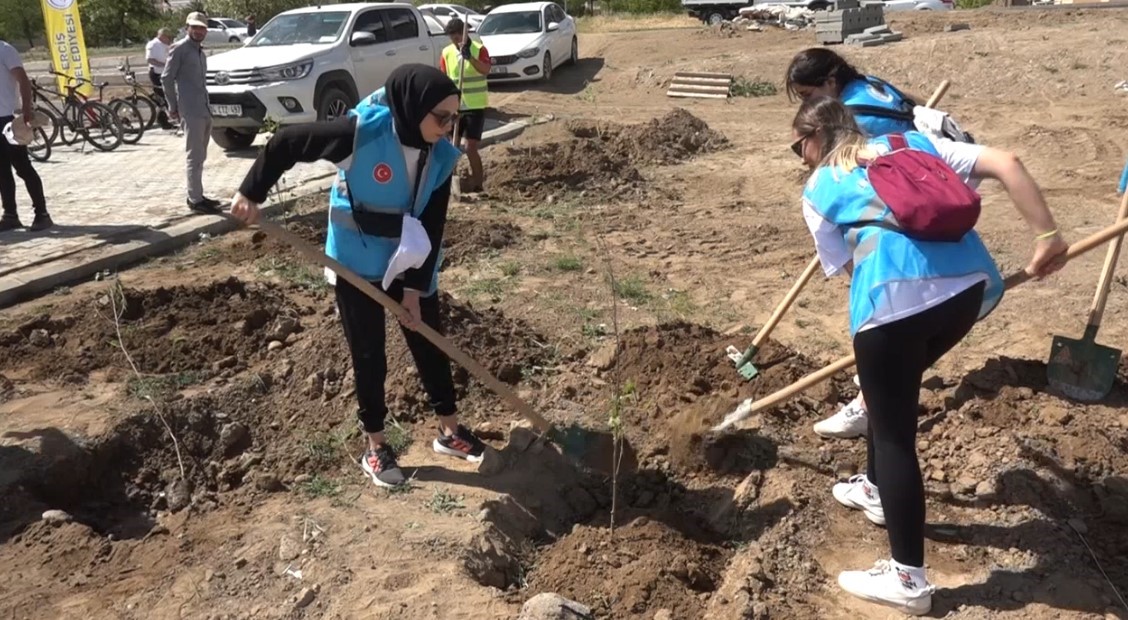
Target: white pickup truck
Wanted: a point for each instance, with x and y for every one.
(314, 63)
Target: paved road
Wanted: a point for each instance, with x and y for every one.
(98, 199)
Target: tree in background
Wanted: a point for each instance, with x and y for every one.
(117, 22)
(22, 21)
(263, 10)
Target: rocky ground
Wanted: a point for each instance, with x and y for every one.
(178, 440)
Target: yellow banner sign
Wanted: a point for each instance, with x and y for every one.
(68, 49)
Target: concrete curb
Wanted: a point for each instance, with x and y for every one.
(145, 243)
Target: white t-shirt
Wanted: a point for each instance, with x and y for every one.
(158, 51)
(902, 299)
(9, 87)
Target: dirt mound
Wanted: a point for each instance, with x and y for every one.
(166, 330)
(466, 239)
(602, 159)
(676, 137)
(684, 383)
(647, 567)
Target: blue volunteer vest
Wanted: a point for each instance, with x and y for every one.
(868, 91)
(882, 255)
(378, 182)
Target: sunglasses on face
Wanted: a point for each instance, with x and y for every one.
(445, 118)
(797, 146)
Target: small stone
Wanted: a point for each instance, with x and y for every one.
(521, 437)
(39, 338)
(604, 357)
(268, 482)
(956, 27)
(939, 475)
(283, 328)
(231, 436)
(964, 485)
(549, 606)
(158, 530)
(663, 614)
(1055, 415)
(923, 445)
(302, 478)
(288, 549)
(178, 494)
(240, 562)
(315, 383)
(228, 362)
(57, 517)
(274, 345)
(985, 489)
(305, 597)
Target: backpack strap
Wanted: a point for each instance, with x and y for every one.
(897, 141)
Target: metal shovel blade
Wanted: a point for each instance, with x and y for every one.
(743, 361)
(1082, 369)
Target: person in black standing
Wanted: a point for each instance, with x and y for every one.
(251, 27)
(15, 94)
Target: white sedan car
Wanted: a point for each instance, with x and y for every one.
(221, 30)
(444, 12)
(919, 5)
(527, 41)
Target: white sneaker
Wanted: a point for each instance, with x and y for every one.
(887, 583)
(859, 494)
(850, 421)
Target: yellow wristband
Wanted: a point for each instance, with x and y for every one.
(1046, 235)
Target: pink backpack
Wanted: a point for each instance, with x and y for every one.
(929, 199)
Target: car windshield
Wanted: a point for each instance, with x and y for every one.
(232, 23)
(320, 27)
(523, 22)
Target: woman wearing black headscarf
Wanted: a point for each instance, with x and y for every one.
(391, 194)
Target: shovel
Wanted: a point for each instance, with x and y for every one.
(591, 449)
(1082, 369)
(748, 407)
(743, 361)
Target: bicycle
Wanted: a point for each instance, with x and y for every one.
(91, 121)
(149, 103)
(129, 117)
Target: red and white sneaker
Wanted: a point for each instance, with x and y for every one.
(888, 583)
(462, 444)
(859, 494)
(380, 465)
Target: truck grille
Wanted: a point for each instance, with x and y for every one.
(240, 76)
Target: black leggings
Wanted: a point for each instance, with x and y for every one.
(14, 157)
(892, 359)
(363, 322)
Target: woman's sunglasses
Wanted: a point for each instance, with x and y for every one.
(445, 118)
(797, 146)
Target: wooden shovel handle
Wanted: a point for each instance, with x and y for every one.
(1075, 250)
(938, 94)
(1096, 311)
(437, 339)
(786, 303)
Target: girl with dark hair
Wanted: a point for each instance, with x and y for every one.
(878, 107)
(395, 165)
(911, 301)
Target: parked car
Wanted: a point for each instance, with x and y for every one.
(444, 12)
(314, 63)
(222, 30)
(919, 5)
(527, 41)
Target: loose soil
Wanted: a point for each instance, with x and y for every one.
(258, 510)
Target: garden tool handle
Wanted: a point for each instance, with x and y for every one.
(938, 94)
(747, 408)
(1096, 312)
(786, 303)
(437, 339)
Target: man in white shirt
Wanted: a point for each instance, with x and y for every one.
(156, 55)
(15, 87)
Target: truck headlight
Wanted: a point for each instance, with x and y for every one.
(529, 53)
(288, 72)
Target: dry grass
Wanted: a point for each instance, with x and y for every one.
(626, 22)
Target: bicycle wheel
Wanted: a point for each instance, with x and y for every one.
(40, 147)
(52, 128)
(99, 126)
(146, 107)
(69, 126)
(132, 125)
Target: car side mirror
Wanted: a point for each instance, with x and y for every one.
(361, 39)
(553, 27)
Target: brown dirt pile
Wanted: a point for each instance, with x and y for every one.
(646, 567)
(466, 239)
(602, 159)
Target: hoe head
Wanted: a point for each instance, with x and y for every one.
(743, 361)
(1082, 369)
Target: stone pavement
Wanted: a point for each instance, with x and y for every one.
(114, 208)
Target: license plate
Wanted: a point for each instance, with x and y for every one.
(227, 110)
(497, 69)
